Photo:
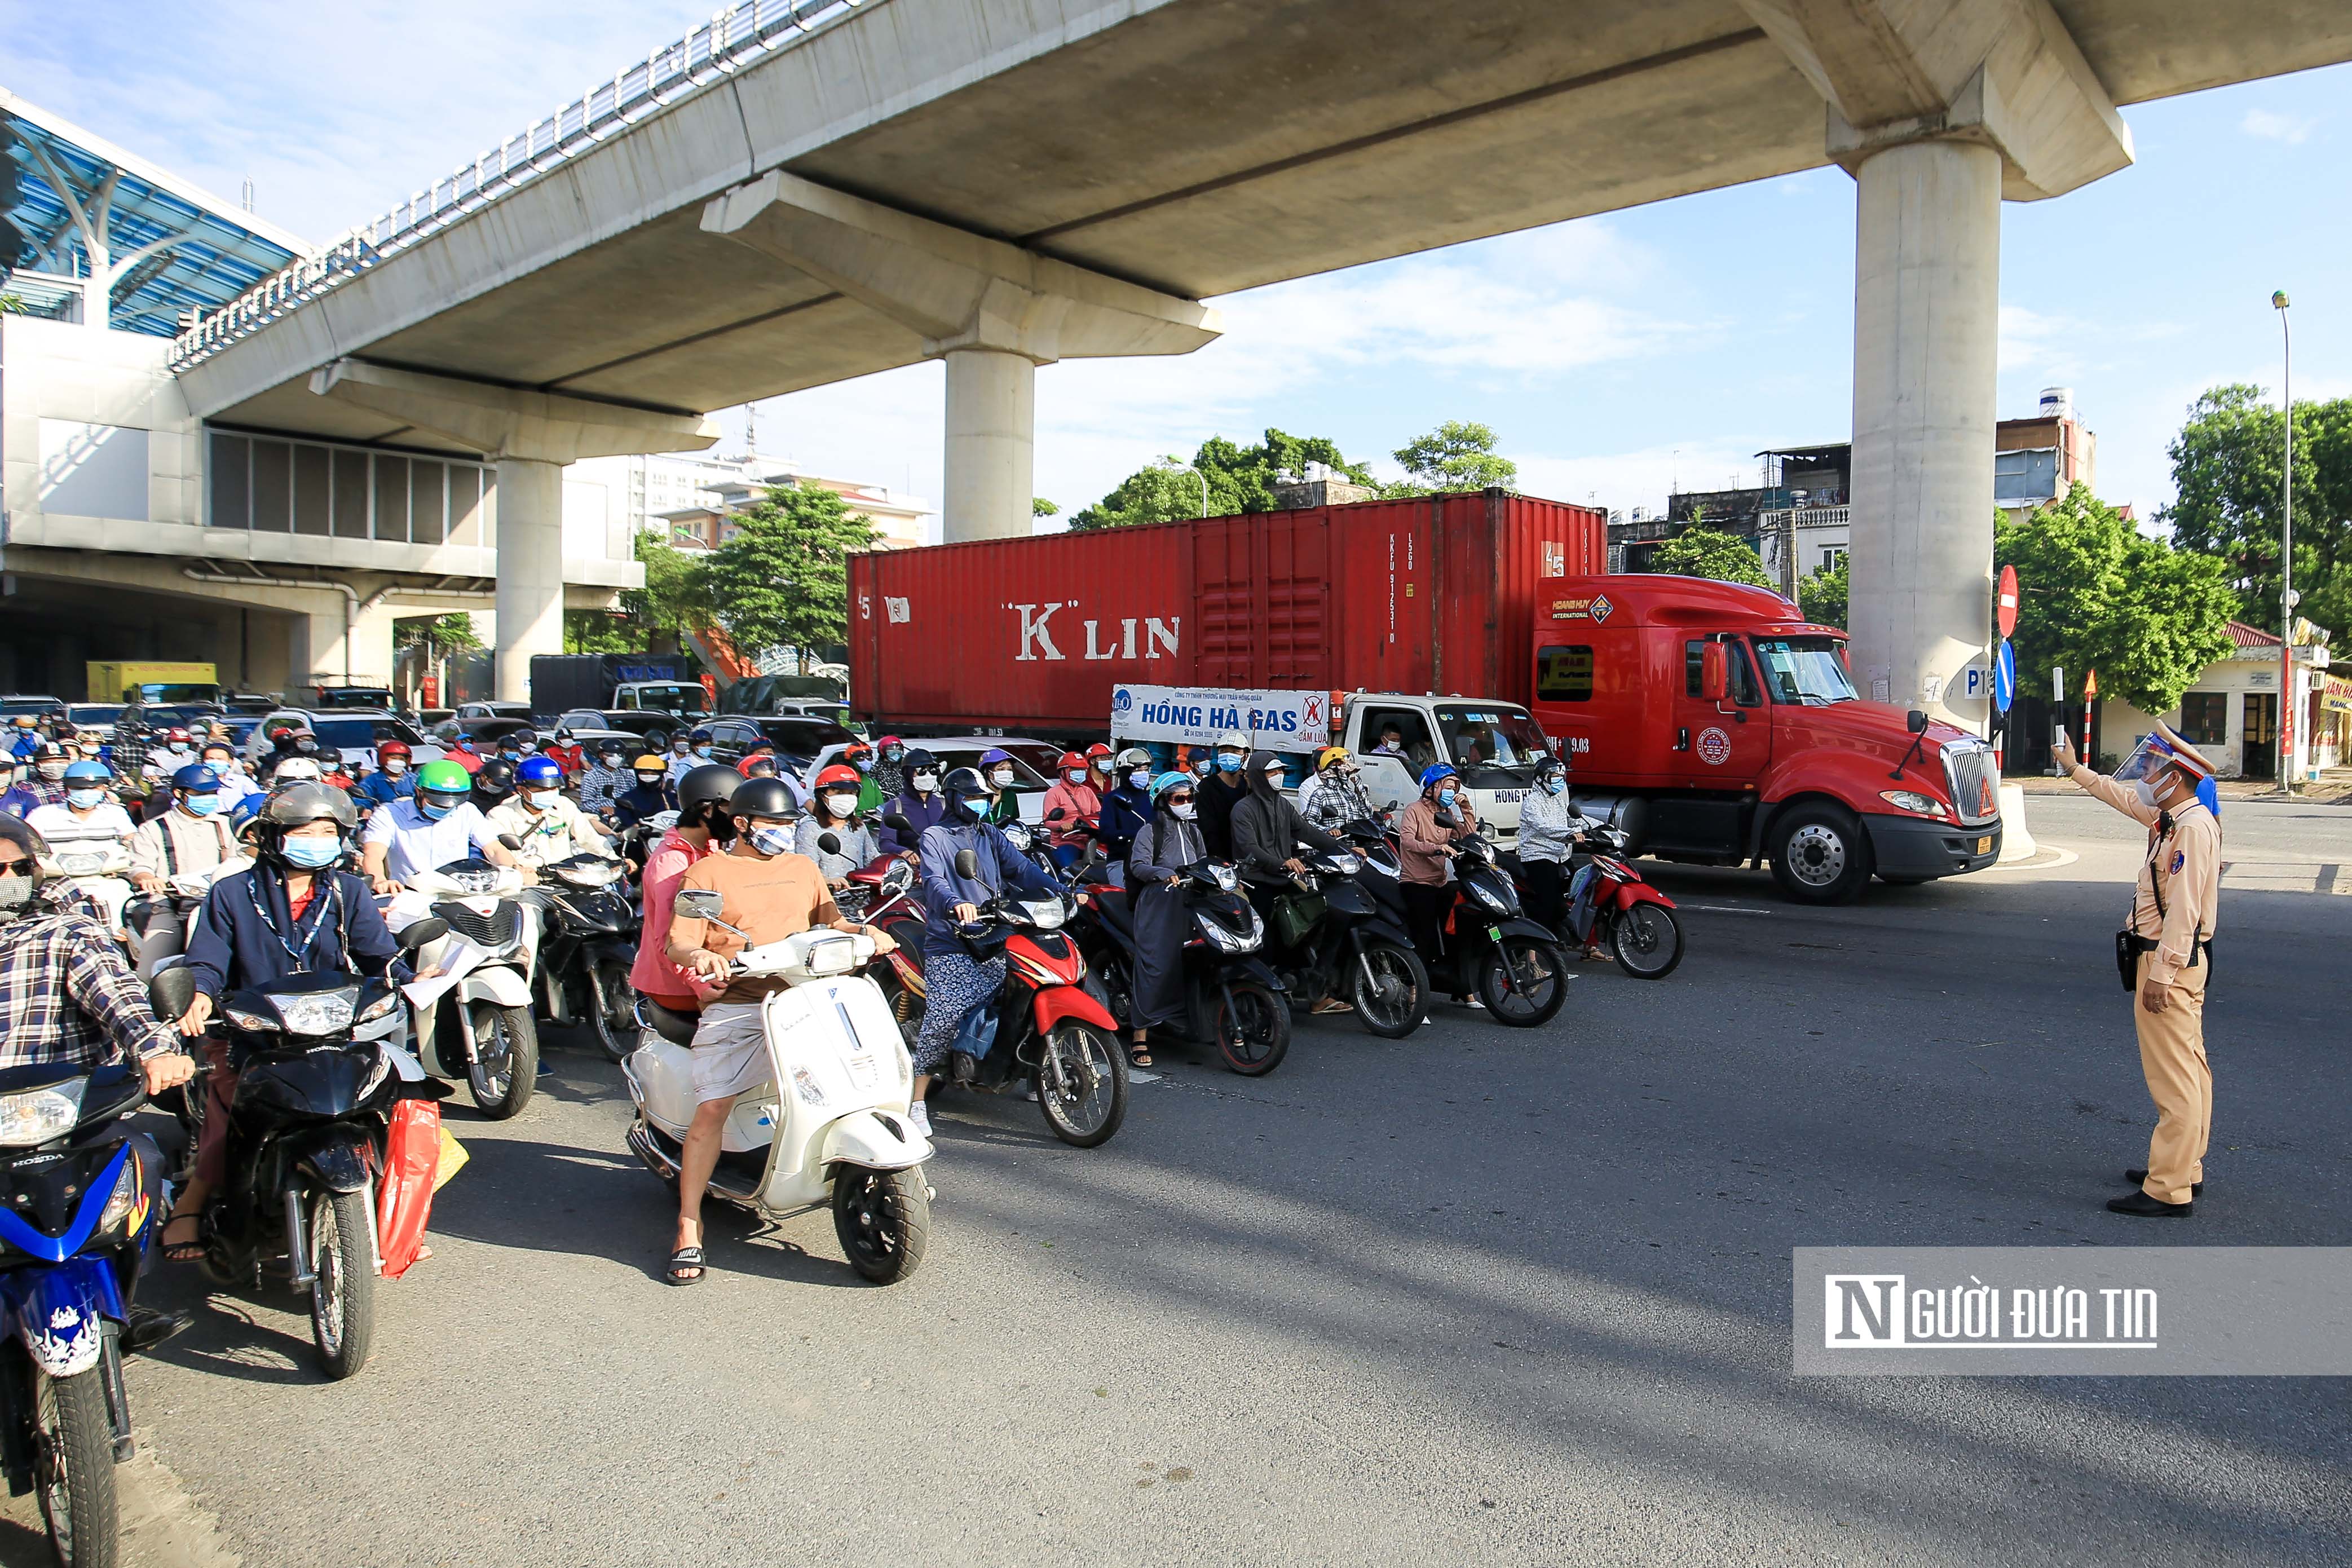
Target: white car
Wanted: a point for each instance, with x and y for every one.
(954, 751)
(352, 733)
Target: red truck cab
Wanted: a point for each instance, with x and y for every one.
(1721, 728)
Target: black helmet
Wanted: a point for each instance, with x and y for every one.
(711, 782)
(917, 758)
(961, 785)
(496, 780)
(299, 805)
(760, 797)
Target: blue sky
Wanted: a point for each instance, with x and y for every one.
(1612, 355)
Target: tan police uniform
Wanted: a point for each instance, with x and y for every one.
(2175, 905)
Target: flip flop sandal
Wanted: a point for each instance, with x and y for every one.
(185, 1251)
(1139, 1056)
(686, 1258)
(1329, 1005)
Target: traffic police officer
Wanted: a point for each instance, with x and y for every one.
(2165, 952)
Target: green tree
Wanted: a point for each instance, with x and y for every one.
(675, 600)
(2095, 594)
(1238, 478)
(1041, 508)
(1454, 456)
(1820, 594)
(2227, 463)
(782, 581)
(441, 635)
(1709, 552)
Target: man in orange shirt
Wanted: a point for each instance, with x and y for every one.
(768, 893)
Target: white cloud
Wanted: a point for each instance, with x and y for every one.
(2271, 126)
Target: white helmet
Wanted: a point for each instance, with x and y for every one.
(1233, 741)
(297, 770)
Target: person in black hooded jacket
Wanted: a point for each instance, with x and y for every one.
(1268, 831)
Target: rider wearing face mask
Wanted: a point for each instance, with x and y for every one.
(1099, 769)
(860, 756)
(89, 812)
(48, 781)
(889, 773)
(1163, 848)
(768, 893)
(392, 780)
(1073, 808)
(438, 824)
(550, 825)
(1548, 824)
(1222, 790)
(1127, 805)
(650, 796)
(1335, 796)
(192, 838)
(296, 912)
(1424, 851)
(834, 810)
(998, 776)
(604, 779)
(919, 802)
(688, 751)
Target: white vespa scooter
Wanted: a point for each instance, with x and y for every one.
(841, 1136)
(474, 1021)
(101, 868)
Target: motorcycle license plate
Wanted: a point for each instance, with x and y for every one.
(864, 1072)
(1984, 845)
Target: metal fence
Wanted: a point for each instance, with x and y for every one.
(734, 39)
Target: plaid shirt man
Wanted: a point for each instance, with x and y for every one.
(66, 994)
(601, 786)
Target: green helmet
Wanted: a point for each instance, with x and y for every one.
(443, 777)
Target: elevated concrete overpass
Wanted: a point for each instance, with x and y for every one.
(1002, 184)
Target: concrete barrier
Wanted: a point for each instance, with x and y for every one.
(2016, 840)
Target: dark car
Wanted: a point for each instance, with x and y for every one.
(732, 734)
(485, 732)
(653, 728)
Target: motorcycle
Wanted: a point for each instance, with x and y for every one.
(78, 1192)
(1231, 997)
(100, 868)
(1327, 936)
(588, 941)
(1517, 967)
(882, 894)
(308, 1137)
(1045, 1029)
(1635, 920)
(841, 1137)
(479, 1028)
(636, 842)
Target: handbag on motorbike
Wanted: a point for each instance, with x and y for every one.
(412, 1163)
(976, 1036)
(1297, 914)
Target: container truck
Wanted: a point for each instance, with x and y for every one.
(655, 683)
(1719, 728)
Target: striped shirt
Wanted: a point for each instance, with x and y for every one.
(66, 994)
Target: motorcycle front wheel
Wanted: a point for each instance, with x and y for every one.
(342, 1282)
(1523, 981)
(613, 1008)
(1392, 997)
(73, 1467)
(884, 1220)
(1082, 1085)
(1648, 941)
(1252, 1028)
(504, 1069)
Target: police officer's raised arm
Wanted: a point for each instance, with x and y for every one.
(2121, 797)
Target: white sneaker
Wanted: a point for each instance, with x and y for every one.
(920, 1115)
(1474, 1002)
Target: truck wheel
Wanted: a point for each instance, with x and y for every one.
(1824, 854)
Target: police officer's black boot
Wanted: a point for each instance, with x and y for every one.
(2136, 1179)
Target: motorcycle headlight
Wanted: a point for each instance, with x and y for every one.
(326, 1012)
(473, 881)
(1045, 913)
(1343, 865)
(381, 1006)
(1227, 878)
(252, 1023)
(1487, 897)
(123, 1198)
(1017, 835)
(81, 864)
(40, 1114)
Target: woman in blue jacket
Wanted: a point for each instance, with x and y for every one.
(954, 983)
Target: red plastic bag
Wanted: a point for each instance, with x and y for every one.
(413, 1156)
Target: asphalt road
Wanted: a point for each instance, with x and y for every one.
(1480, 1295)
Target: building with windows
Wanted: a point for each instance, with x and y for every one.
(2231, 714)
(901, 521)
(1797, 516)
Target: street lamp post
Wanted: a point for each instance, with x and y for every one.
(2286, 552)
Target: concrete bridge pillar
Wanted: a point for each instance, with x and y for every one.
(531, 436)
(993, 311)
(1940, 112)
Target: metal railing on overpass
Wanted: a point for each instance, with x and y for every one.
(734, 39)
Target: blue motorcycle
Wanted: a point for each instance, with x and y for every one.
(80, 1196)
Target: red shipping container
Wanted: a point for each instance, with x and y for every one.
(1431, 594)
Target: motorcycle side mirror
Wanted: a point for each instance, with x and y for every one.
(897, 823)
(967, 865)
(830, 843)
(1714, 672)
(1915, 721)
(171, 991)
(700, 903)
(511, 842)
(420, 933)
(1448, 819)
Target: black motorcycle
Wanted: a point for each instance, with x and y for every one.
(307, 1139)
(1517, 967)
(587, 942)
(1231, 997)
(78, 1199)
(1329, 936)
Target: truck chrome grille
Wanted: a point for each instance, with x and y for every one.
(1974, 782)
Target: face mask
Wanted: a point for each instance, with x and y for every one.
(15, 891)
(1553, 786)
(544, 799)
(90, 748)
(1228, 762)
(306, 746)
(2145, 791)
(649, 780)
(863, 764)
(771, 840)
(1139, 779)
(395, 766)
(1445, 797)
(1075, 775)
(53, 771)
(1182, 809)
(892, 754)
(1203, 767)
(1272, 780)
(433, 812)
(612, 763)
(927, 782)
(84, 798)
(509, 754)
(702, 751)
(978, 808)
(311, 854)
(201, 805)
(1002, 778)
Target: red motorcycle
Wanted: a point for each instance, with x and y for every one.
(1635, 920)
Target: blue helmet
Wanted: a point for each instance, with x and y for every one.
(539, 773)
(1432, 775)
(994, 755)
(87, 773)
(1160, 785)
(698, 734)
(196, 779)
